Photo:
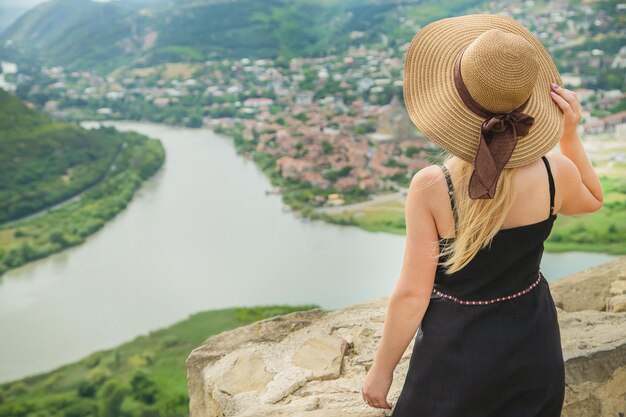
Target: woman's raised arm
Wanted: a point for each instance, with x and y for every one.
(582, 190)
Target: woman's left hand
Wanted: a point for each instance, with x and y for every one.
(376, 387)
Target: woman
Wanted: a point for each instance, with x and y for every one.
(484, 89)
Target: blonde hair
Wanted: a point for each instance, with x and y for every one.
(478, 219)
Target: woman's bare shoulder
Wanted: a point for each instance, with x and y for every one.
(425, 190)
(426, 178)
(563, 169)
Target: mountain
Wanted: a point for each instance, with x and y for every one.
(72, 31)
(43, 162)
(86, 34)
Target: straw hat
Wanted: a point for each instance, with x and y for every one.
(479, 87)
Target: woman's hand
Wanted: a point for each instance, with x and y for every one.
(376, 387)
(571, 108)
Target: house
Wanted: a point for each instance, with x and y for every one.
(293, 168)
(335, 199)
(316, 179)
(258, 102)
(615, 119)
(346, 183)
(370, 184)
(304, 98)
(161, 101)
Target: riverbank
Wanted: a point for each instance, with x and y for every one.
(70, 223)
(602, 232)
(145, 376)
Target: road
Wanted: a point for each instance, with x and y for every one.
(374, 199)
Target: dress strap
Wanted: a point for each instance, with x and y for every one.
(551, 182)
(446, 173)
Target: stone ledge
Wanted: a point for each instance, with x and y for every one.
(311, 364)
(589, 289)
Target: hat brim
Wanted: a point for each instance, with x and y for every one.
(435, 107)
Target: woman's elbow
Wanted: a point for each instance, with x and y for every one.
(413, 295)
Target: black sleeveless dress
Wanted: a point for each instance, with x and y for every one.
(489, 344)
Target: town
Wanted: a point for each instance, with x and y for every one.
(329, 130)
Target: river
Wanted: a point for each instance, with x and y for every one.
(201, 234)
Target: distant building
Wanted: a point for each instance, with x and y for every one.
(346, 183)
(610, 122)
(104, 111)
(293, 168)
(620, 132)
(161, 101)
(335, 199)
(258, 102)
(304, 98)
(571, 80)
(114, 95)
(8, 67)
(394, 122)
(51, 105)
(609, 99)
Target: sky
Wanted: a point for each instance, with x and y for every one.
(19, 4)
(12, 9)
(25, 4)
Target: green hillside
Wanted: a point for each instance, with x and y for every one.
(73, 31)
(43, 162)
(145, 377)
(86, 34)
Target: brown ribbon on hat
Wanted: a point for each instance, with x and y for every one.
(498, 137)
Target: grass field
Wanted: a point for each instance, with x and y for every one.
(386, 216)
(603, 231)
(145, 377)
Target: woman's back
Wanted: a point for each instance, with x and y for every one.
(509, 265)
(492, 322)
(531, 205)
(532, 200)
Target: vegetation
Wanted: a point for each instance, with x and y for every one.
(85, 35)
(604, 39)
(145, 377)
(300, 196)
(603, 231)
(20, 242)
(385, 217)
(44, 162)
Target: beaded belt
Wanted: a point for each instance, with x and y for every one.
(493, 300)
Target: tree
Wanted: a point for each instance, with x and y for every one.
(81, 409)
(58, 238)
(195, 120)
(144, 388)
(112, 395)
